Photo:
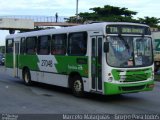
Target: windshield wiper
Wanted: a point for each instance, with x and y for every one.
(124, 41)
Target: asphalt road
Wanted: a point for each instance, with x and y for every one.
(15, 97)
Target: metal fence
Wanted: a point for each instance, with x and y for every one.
(37, 18)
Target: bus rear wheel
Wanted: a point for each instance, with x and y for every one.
(77, 86)
(27, 77)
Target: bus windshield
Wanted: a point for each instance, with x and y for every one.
(129, 51)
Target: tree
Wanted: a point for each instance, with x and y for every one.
(113, 14)
(107, 13)
(111, 10)
(151, 21)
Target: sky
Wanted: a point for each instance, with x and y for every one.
(68, 8)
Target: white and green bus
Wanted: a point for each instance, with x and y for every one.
(105, 58)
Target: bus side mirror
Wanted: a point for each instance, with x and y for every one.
(106, 47)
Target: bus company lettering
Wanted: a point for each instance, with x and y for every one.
(78, 67)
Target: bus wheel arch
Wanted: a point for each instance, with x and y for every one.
(26, 76)
(76, 84)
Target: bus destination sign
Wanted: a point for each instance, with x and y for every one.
(127, 29)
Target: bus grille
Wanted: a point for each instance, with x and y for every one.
(132, 88)
(136, 77)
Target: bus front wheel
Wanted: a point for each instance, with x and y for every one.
(27, 77)
(77, 86)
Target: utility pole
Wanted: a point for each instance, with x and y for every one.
(77, 11)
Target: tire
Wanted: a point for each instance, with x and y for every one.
(77, 86)
(27, 78)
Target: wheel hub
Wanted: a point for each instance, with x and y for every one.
(26, 78)
(77, 86)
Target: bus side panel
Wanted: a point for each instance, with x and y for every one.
(78, 64)
(9, 60)
(54, 70)
(9, 64)
(53, 79)
(68, 64)
(29, 61)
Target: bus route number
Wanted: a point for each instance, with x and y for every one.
(47, 63)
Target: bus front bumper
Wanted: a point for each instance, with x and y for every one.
(112, 88)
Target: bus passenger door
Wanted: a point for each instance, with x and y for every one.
(16, 58)
(96, 63)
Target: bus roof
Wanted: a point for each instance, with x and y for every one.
(86, 27)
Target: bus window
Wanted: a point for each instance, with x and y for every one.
(31, 45)
(23, 46)
(9, 46)
(77, 44)
(58, 44)
(43, 45)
